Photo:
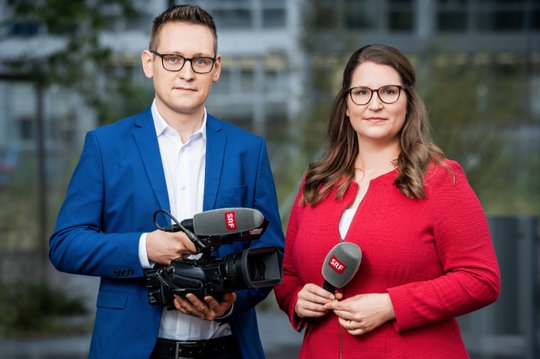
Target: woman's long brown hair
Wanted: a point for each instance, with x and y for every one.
(417, 149)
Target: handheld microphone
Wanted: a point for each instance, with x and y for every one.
(340, 265)
(224, 221)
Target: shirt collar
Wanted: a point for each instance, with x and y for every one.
(161, 125)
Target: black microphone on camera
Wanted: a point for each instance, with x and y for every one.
(340, 265)
(224, 221)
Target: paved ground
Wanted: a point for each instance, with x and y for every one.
(279, 339)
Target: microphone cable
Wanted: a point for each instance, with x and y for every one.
(177, 227)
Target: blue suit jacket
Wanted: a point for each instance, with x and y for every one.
(116, 187)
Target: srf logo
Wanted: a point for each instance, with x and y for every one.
(337, 265)
(230, 220)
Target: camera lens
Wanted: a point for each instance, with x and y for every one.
(256, 269)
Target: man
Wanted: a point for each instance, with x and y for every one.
(177, 157)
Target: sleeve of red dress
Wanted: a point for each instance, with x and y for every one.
(287, 292)
(471, 277)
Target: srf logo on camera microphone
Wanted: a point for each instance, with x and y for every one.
(337, 265)
(230, 220)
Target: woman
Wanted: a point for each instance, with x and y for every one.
(383, 184)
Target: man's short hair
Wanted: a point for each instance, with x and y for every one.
(182, 13)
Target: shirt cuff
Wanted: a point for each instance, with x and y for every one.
(143, 255)
(228, 313)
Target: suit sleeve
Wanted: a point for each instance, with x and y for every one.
(471, 274)
(265, 200)
(78, 244)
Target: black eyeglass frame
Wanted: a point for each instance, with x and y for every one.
(186, 59)
(400, 88)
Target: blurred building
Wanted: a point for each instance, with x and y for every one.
(274, 52)
(266, 46)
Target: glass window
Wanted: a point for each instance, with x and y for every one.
(26, 129)
(452, 15)
(501, 20)
(452, 21)
(276, 120)
(400, 20)
(272, 81)
(452, 2)
(325, 15)
(223, 86)
(275, 70)
(24, 28)
(400, 15)
(233, 18)
(247, 80)
(274, 18)
(505, 2)
(534, 19)
(362, 15)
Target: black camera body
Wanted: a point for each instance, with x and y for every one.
(210, 275)
(251, 268)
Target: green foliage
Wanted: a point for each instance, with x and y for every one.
(125, 96)
(16, 224)
(78, 25)
(76, 65)
(31, 309)
(477, 113)
(478, 106)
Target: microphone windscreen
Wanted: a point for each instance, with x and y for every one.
(341, 264)
(223, 221)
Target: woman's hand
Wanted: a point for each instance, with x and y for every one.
(363, 313)
(311, 301)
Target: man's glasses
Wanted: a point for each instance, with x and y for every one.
(387, 94)
(175, 63)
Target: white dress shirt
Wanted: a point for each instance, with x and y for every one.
(345, 221)
(184, 168)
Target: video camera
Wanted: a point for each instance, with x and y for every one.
(209, 275)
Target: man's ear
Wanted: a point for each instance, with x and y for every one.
(217, 69)
(147, 59)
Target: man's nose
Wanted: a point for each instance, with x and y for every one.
(187, 71)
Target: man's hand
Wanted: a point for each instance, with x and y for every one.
(210, 309)
(162, 247)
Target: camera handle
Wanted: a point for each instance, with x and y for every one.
(177, 227)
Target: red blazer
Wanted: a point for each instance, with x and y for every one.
(434, 257)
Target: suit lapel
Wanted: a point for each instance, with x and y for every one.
(144, 133)
(215, 152)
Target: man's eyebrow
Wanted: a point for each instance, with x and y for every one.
(198, 54)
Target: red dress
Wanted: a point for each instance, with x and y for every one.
(434, 257)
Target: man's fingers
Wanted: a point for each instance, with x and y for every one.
(196, 302)
(187, 244)
(191, 305)
(218, 309)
